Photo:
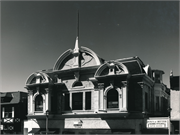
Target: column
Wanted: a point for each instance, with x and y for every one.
(70, 100)
(124, 97)
(48, 99)
(101, 96)
(30, 101)
(84, 101)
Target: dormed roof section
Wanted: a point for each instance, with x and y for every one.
(84, 57)
(111, 68)
(133, 64)
(38, 77)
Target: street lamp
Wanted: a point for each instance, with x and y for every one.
(47, 114)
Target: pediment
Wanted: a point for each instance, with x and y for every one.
(111, 68)
(84, 57)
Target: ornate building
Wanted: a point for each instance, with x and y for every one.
(86, 94)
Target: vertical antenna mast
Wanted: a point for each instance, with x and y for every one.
(78, 25)
(76, 49)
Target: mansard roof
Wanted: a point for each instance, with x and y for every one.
(133, 64)
(10, 97)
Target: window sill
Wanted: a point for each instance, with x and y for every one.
(78, 112)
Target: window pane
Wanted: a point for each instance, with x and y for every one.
(112, 99)
(77, 101)
(8, 112)
(88, 101)
(39, 103)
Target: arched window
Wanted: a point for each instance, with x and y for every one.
(112, 99)
(38, 103)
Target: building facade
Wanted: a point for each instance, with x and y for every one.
(175, 103)
(87, 95)
(161, 94)
(13, 112)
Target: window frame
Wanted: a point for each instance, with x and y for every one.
(84, 100)
(39, 95)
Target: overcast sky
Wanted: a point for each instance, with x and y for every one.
(35, 34)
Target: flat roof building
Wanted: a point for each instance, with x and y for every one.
(13, 112)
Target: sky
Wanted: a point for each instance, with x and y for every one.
(35, 33)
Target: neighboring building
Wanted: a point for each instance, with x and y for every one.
(161, 94)
(87, 95)
(175, 103)
(13, 112)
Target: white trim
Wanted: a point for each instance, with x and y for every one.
(119, 98)
(12, 112)
(3, 109)
(33, 104)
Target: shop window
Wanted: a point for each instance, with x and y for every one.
(77, 101)
(67, 103)
(112, 99)
(88, 100)
(8, 112)
(38, 103)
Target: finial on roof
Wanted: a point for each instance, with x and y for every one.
(76, 48)
(171, 73)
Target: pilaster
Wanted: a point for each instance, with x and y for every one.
(48, 98)
(30, 101)
(124, 97)
(143, 95)
(101, 95)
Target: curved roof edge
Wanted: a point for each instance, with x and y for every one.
(45, 77)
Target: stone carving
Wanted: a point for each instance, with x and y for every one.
(100, 85)
(85, 59)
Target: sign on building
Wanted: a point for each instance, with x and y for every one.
(78, 124)
(157, 124)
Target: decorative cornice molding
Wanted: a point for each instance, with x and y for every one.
(124, 83)
(141, 84)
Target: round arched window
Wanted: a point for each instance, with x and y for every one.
(39, 103)
(112, 99)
